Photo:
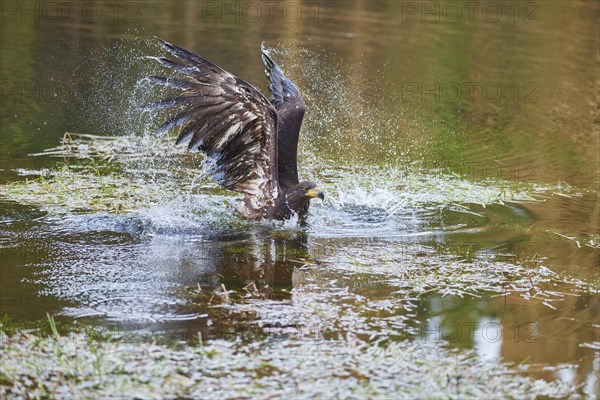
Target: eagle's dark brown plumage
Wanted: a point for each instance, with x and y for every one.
(250, 142)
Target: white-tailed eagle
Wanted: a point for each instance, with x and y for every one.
(250, 143)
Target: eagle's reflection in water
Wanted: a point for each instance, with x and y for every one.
(225, 270)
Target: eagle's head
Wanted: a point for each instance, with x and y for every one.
(298, 197)
(308, 190)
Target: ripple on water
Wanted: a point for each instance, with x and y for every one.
(378, 212)
(129, 267)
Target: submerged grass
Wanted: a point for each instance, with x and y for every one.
(76, 366)
(125, 173)
(367, 293)
(112, 174)
(375, 292)
(424, 269)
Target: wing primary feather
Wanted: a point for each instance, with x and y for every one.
(290, 112)
(189, 131)
(183, 69)
(172, 82)
(282, 89)
(226, 118)
(177, 120)
(188, 56)
(166, 103)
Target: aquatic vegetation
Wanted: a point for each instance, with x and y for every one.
(420, 269)
(114, 174)
(589, 240)
(354, 302)
(126, 233)
(374, 291)
(75, 366)
(126, 173)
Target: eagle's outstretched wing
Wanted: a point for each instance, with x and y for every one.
(226, 118)
(290, 110)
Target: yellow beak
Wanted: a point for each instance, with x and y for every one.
(315, 192)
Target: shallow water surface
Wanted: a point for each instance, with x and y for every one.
(471, 222)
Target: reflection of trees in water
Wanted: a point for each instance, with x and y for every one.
(520, 330)
(557, 337)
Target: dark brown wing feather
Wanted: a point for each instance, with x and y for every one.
(290, 111)
(226, 118)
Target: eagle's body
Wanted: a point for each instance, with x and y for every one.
(250, 142)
